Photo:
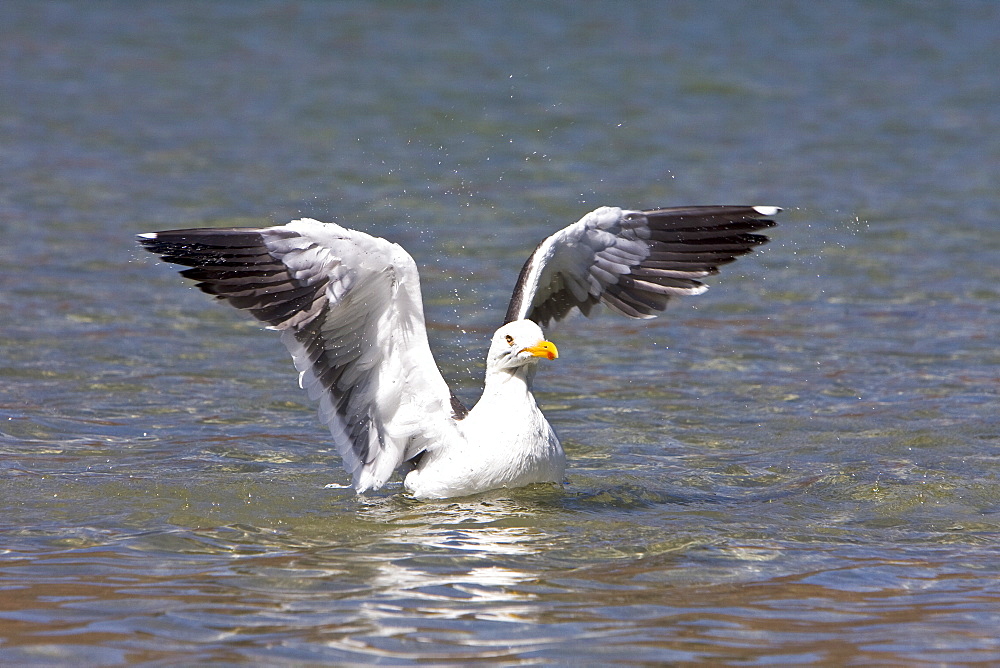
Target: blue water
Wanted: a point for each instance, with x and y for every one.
(800, 466)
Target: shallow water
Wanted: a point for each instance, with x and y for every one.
(799, 466)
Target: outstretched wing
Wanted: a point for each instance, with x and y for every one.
(350, 312)
(633, 261)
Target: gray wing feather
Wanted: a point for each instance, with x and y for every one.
(633, 262)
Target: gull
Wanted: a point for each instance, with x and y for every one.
(350, 312)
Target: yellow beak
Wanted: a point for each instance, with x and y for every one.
(544, 349)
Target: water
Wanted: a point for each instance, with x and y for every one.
(800, 466)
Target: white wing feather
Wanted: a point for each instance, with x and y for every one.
(350, 312)
(632, 261)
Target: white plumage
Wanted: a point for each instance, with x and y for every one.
(351, 315)
(504, 441)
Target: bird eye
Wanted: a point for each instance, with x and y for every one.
(509, 339)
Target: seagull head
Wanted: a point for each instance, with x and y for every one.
(518, 344)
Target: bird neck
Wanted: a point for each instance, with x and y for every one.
(507, 393)
(509, 381)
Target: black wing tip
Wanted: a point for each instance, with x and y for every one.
(760, 209)
(721, 223)
(757, 211)
(147, 239)
(200, 239)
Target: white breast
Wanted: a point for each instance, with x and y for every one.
(508, 443)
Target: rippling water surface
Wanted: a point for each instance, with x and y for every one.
(799, 466)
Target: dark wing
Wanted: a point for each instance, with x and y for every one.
(350, 312)
(633, 261)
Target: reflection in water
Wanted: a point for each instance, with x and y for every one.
(452, 552)
(411, 587)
